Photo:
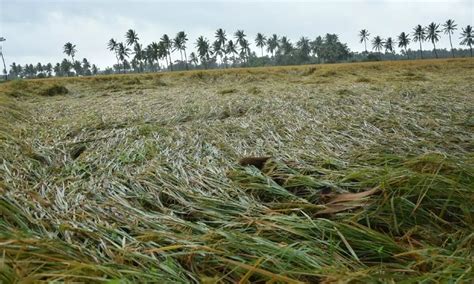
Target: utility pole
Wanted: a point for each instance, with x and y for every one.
(2, 39)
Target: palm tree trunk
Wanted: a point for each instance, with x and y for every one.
(434, 47)
(171, 62)
(365, 43)
(186, 58)
(262, 49)
(421, 50)
(4, 67)
(470, 46)
(118, 62)
(450, 43)
(406, 52)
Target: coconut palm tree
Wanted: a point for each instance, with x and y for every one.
(304, 47)
(176, 43)
(57, 70)
(65, 67)
(364, 36)
(419, 36)
(163, 53)
(467, 37)
(245, 50)
(167, 44)
(70, 50)
(239, 36)
(122, 52)
(216, 48)
(377, 43)
(403, 42)
(48, 68)
(433, 35)
(86, 67)
(261, 41)
(231, 49)
(219, 44)
(316, 46)
(138, 52)
(131, 37)
(388, 45)
(221, 37)
(240, 40)
(179, 43)
(203, 49)
(193, 59)
(285, 46)
(449, 27)
(151, 55)
(184, 38)
(95, 70)
(112, 46)
(272, 44)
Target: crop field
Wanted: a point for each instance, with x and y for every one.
(136, 178)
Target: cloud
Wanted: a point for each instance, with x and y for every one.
(37, 30)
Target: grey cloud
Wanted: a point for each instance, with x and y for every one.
(36, 30)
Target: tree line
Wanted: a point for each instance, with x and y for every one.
(226, 51)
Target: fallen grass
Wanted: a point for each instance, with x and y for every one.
(135, 177)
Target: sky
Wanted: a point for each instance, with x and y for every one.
(36, 30)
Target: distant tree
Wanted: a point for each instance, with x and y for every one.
(377, 43)
(231, 49)
(433, 35)
(203, 49)
(304, 48)
(39, 69)
(149, 57)
(193, 59)
(49, 69)
(285, 47)
(131, 37)
(316, 47)
(272, 44)
(123, 52)
(86, 67)
(467, 37)
(167, 44)
(332, 49)
(449, 27)
(239, 36)
(419, 36)
(57, 70)
(364, 36)
(221, 39)
(77, 66)
(180, 44)
(261, 41)
(112, 45)
(244, 45)
(163, 53)
(138, 56)
(245, 50)
(216, 47)
(15, 70)
(66, 67)
(29, 71)
(388, 45)
(403, 42)
(94, 70)
(70, 50)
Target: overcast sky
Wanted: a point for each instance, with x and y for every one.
(37, 30)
